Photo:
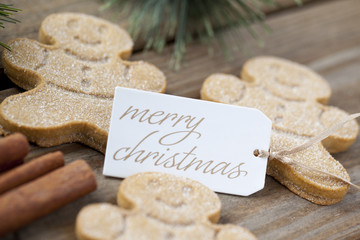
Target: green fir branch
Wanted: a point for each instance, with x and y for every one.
(160, 21)
(6, 11)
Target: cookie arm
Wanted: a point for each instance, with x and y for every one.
(51, 116)
(145, 76)
(342, 139)
(22, 62)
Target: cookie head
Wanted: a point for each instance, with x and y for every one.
(286, 79)
(158, 206)
(169, 199)
(85, 36)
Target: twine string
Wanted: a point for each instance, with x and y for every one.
(281, 155)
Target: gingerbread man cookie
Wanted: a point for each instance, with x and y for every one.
(293, 97)
(71, 74)
(158, 206)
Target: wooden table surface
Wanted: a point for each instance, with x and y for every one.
(323, 34)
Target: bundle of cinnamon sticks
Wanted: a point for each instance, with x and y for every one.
(38, 187)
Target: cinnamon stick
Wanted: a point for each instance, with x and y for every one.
(13, 150)
(30, 170)
(44, 195)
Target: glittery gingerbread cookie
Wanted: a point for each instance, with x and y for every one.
(158, 206)
(71, 74)
(294, 98)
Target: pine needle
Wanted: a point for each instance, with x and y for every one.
(5, 16)
(160, 21)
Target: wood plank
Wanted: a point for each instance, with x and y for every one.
(303, 36)
(330, 44)
(35, 11)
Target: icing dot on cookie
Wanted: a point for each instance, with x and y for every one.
(278, 119)
(187, 190)
(86, 70)
(281, 108)
(73, 23)
(85, 83)
(153, 183)
(102, 29)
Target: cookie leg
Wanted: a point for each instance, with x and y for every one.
(315, 187)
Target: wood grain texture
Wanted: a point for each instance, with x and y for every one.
(33, 12)
(323, 35)
(303, 35)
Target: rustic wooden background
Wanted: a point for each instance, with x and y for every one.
(323, 34)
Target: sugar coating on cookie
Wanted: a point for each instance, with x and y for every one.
(315, 187)
(169, 199)
(72, 74)
(158, 206)
(291, 95)
(286, 79)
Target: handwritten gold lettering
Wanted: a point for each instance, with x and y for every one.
(118, 151)
(170, 164)
(146, 157)
(156, 118)
(132, 153)
(170, 139)
(154, 115)
(157, 162)
(222, 168)
(175, 115)
(236, 171)
(135, 113)
(187, 154)
(181, 161)
(200, 164)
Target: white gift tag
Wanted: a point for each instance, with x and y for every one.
(212, 143)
